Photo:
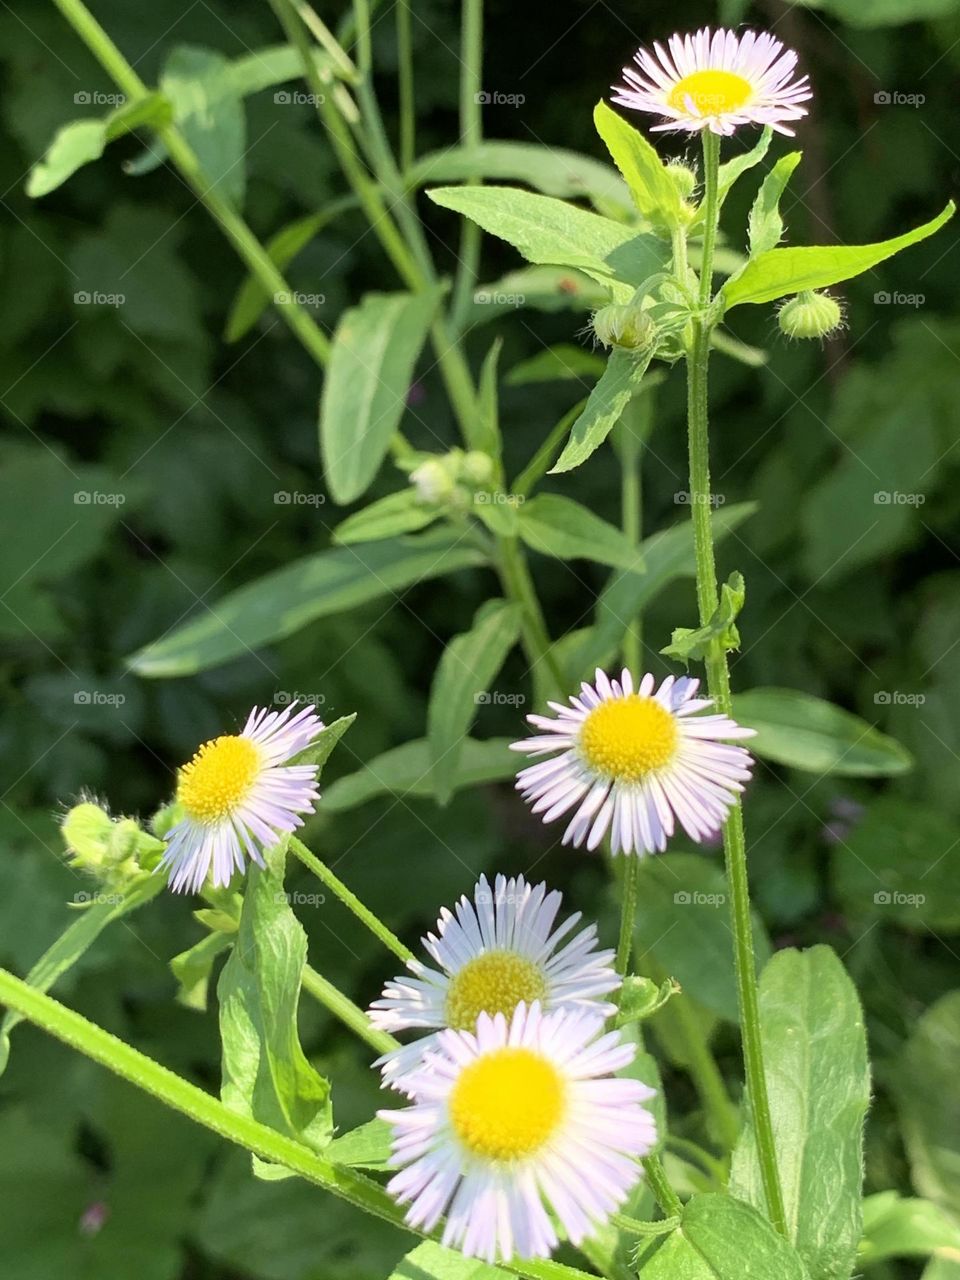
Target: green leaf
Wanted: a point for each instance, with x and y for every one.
(720, 1238)
(899, 1227)
(488, 438)
(688, 644)
(536, 468)
(397, 513)
(654, 191)
(208, 110)
(367, 1147)
(192, 969)
(779, 272)
(620, 382)
(641, 998)
(544, 288)
(818, 1080)
(766, 222)
(407, 770)
(321, 748)
(375, 348)
(461, 684)
(562, 528)
(929, 1104)
(734, 169)
(885, 13)
(805, 732)
(899, 866)
(431, 1261)
(76, 940)
(551, 232)
(683, 921)
(266, 1075)
(554, 171)
(316, 586)
(667, 555)
(559, 363)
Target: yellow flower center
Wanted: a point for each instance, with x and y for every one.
(713, 93)
(628, 738)
(218, 777)
(507, 1104)
(494, 982)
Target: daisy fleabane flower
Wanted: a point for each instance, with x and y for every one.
(517, 1127)
(240, 797)
(632, 761)
(502, 948)
(718, 81)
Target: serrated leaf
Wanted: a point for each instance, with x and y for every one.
(653, 190)
(818, 1081)
(766, 223)
(407, 771)
(287, 599)
(560, 527)
(469, 664)
(619, 382)
(805, 732)
(375, 348)
(779, 272)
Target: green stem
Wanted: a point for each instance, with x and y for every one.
(637, 1228)
(179, 1094)
(518, 585)
(628, 911)
(631, 502)
(718, 683)
(350, 1014)
(666, 1197)
(350, 900)
(408, 118)
(471, 135)
(233, 226)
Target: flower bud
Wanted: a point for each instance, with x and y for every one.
(111, 849)
(477, 468)
(628, 327)
(810, 315)
(86, 833)
(433, 482)
(684, 178)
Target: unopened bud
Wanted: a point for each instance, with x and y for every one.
(810, 315)
(628, 327)
(477, 468)
(433, 481)
(684, 178)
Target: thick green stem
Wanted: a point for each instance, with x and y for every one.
(408, 116)
(718, 683)
(350, 1014)
(179, 1094)
(350, 900)
(629, 887)
(666, 1197)
(233, 226)
(471, 135)
(518, 585)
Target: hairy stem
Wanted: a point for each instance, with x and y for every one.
(343, 1008)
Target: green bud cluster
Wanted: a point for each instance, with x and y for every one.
(114, 850)
(451, 479)
(626, 326)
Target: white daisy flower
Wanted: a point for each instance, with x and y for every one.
(717, 81)
(240, 797)
(518, 1126)
(495, 952)
(630, 762)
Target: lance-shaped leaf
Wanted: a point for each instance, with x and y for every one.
(83, 141)
(407, 771)
(551, 232)
(397, 513)
(282, 602)
(374, 351)
(654, 191)
(461, 685)
(818, 1080)
(620, 381)
(779, 272)
(560, 527)
(266, 1075)
(720, 1238)
(766, 222)
(554, 171)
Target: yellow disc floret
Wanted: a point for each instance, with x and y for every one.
(218, 778)
(628, 738)
(713, 93)
(494, 982)
(507, 1104)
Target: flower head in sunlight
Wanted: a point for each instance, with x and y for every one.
(493, 953)
(716, 80)
(632, 761)
(519, 1126)
(240, 796)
